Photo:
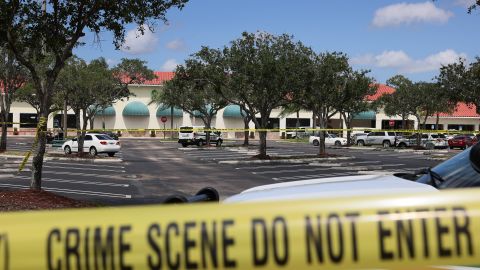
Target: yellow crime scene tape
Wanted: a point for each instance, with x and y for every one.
(266, 129)
(41, 123)
(385, 232)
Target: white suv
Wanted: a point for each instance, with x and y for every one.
(195, 135)
(384, 138)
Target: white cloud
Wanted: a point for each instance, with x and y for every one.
(392, 59)
(402, 62)
(404, 13)
(176, 45)
(465, 3)
(170, 65)
(112, 62)
(136, 43)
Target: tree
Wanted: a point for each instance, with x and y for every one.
(192, 94)
(89, 88)
(12, 77)
(261, 71)
(420, 99)
(324, 79)
(353, 97)
(461, 83)
(115, 83)
(33, 30)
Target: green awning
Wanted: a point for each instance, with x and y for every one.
(166, 111)
(109, 111)
(198, 114)
(232, 111)
(367, 115)
(136, 108)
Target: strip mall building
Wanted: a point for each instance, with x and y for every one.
(137, 113)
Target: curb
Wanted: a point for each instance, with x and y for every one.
(83, 159)
(283, 161)
(62, 158)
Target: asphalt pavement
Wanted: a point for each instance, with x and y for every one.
(150, 168)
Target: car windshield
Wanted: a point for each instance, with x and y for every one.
(456, 172)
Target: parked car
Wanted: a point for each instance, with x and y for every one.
(462, 141)
(355, 137)
(194, 135)
(385, 138)
(429, 141)
(460, 171)
(93, 144)
(301, 132)
(330, 139)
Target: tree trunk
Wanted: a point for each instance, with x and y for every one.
(262, 135)
(348, 124)
(419, 134)
(437, 122)
(79, 132)
(39, 151)
(65, 119)
(322, 149)
(208, 122)
(92, 122)
(84, 128)
(246, 132)
(263, 145)
(3, 139)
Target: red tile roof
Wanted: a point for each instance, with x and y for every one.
(162, 76)
(462, 110)
(382, 90)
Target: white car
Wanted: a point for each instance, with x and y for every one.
(93, 144)
(330, 139)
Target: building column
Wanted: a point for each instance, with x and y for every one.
(378, 123)
(283, 125)
(16, 119)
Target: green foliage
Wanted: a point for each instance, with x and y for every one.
(460, 82)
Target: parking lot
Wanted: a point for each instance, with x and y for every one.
(149, 168)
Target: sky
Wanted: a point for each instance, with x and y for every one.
(388, 37)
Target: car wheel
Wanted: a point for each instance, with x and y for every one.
(430, 146)
(361, 143)
(200, 142)
(67, 150)
(402, 145)
(316, 143)
(338, 143)
(386, 144)
(111, 154)
(93, 151)
(219, 143)
(184, 144)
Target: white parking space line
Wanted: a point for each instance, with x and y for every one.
(293, 171)
(83, 164)
(313, 176)
(84, 169)
(79, 174)
(46, 179)
(271, 166)
(73, 191)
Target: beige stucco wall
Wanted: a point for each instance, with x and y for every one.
(143, 94)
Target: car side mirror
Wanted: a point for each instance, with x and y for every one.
(475, 157)
(74, 139)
